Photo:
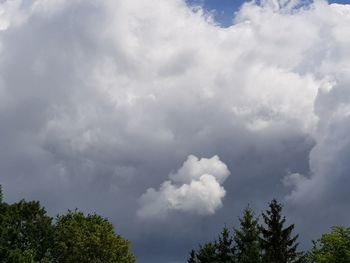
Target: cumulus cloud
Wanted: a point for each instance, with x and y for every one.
(329, 166)
(195, 188)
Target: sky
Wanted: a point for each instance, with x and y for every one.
(223, 10)
(169, 120)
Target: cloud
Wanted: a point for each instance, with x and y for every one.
(328, 159)
(195, 188)
(99, 100)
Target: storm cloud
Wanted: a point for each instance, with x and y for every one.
(101, 100)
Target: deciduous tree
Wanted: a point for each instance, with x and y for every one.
(26, 232)
(332, 248)
(91, 238)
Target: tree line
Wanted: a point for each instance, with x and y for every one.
(29, 235)
(271, 242)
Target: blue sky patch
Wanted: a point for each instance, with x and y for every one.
(224, 9)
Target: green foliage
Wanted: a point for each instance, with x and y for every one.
(277, 242)
(28, 235)
(193, 257)
(80, 238)
(332, 248)
(252, 243)
(207, 253)
(19, 256)
(224, 247)
(220, 251)
(26, 232)
(1, 195)
(247, 245)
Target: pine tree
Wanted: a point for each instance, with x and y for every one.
(224, 250)
(193, 257)
(207, 253)
(1, 195)
(277, 242)
(247, 245)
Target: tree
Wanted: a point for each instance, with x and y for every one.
(277, 242)
(193, 257)
(247, 245)
(220, 251)
(332, 248)
(91, 238)
(26, 232)
(1, 194)
(207, 253)
(27, 235)
(224, 248)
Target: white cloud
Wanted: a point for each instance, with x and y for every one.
(193, 169)
(195, 188)
(329, 166)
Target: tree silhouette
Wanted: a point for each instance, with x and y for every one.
(277, 242)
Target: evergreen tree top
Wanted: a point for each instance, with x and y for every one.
(1, 194)
(277, 242)
(247, 245)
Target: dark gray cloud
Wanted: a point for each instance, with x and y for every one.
(101, 101)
